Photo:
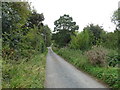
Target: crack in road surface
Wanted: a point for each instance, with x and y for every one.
(61, 74)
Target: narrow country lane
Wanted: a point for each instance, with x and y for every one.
(61, 74)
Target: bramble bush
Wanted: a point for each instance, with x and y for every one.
(97, 56)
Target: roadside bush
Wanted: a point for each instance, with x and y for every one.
(97, 55)
(113, 60)
(10, 53)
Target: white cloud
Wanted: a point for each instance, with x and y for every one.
(82, 11)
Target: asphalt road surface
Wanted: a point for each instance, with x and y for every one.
(61, 74)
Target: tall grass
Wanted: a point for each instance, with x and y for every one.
(24, 74)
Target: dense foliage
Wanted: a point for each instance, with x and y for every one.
(23, 34)
(64, 28)
(87, 38)
(80, 41)
(116, 18)
(24, 42)
(96, 31)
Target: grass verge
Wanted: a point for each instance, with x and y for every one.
(109, 75)
(24, 74)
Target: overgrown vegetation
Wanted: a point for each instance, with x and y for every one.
(79, 59)
(25, 38)
(23, 31)
(24, 42)
(25, 74)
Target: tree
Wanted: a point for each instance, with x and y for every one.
(116, 18)
(14, 15)
(110, 40)
(96, 31)
(22, 31)
(35, 19)
(64, 28)
(80, 41)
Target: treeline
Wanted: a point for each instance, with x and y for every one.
(23, 32)
(66, 34)
(92, 36)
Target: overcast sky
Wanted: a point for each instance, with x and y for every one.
(83, 12)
